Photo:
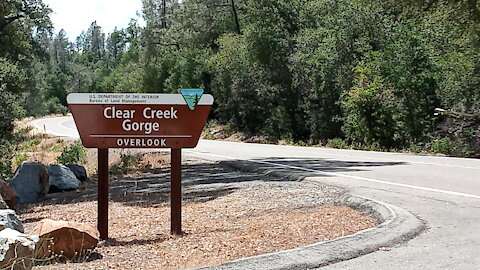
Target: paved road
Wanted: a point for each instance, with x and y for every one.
(445, 192)
(58, 126)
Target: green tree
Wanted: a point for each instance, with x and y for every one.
(19, 53)
(115, 47)
(94, 43)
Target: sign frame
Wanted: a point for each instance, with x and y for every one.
(158, 125)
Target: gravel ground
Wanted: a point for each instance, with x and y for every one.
(227, 215)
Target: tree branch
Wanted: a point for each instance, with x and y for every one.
(235, 15)
(474, 119)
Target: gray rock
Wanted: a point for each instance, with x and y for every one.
(79, 171)
(62, 178)
(31, 182)
(17, 249)
(9, 219)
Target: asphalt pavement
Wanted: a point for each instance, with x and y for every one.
(443, 192)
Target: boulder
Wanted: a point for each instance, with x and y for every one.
(16, 249)
(30, 182)
(68, 238)
(79, 171)
(9, 219)
(8, 194)
(62, 178)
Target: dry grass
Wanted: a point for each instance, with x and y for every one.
(48, 150)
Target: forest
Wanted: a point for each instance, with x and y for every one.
(347, 73)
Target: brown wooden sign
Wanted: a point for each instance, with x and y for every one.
(139, 120)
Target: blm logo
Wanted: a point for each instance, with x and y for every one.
(192, 97)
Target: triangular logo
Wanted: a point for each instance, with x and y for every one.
(192, 97)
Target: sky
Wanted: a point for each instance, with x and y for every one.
(76, 16)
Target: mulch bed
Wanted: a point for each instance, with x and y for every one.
(227, 215)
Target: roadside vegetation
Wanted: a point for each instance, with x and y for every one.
(28, 145)
(75, 153)
(349, 73)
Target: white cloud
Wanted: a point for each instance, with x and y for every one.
(76, 16)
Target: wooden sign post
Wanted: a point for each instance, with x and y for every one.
(107, 120)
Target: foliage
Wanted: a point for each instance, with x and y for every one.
(443, 146)
(238, 86)
(337, 143)
(126, 78)
(75, 153)
(364, 73)
(415, 148)
(18, 159)
(128, 162)
(30, 144)
(12, 151)
(6, 154)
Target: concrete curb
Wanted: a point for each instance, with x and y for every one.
(396, 226)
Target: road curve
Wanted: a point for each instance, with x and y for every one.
(443, 191)
(58, 126)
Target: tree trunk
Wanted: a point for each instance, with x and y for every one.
(235, 16)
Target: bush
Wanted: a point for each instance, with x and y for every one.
(128, 162)
(75, 153)
(5, 159)
(18, 159)
(30, 144)
(369, 108)
(53, 106)
(337, 143)
(443, 146)
(415, 148)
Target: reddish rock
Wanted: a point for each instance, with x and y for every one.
(8, 194)
(68, 238)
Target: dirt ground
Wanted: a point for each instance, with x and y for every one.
(227, 215)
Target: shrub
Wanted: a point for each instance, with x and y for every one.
(337, 143)
(18, 159)
(75, 153)
(415, 148)
(128, 162)
(5, 159)
(30, 144)
(53, 106)
(443, 146)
